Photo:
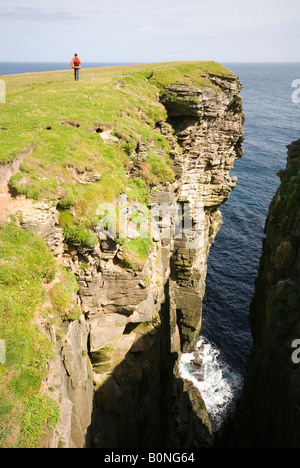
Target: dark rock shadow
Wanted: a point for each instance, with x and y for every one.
(142, 403)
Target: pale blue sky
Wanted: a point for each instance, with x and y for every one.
(150, 31)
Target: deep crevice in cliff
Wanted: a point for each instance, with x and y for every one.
(267, 414)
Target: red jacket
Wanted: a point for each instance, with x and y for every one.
(76, 59)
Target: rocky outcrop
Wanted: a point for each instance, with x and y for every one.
(42, 219)
(70, 383)
(268, 414)
(209, 127)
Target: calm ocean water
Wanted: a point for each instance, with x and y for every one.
(272, 122)
(12, 68)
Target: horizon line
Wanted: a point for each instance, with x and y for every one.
(159, 61)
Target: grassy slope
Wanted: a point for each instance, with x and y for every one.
(25, 262)
(32, 285)
(119, 96)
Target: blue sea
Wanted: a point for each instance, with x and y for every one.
(13, 68)
(272, 123)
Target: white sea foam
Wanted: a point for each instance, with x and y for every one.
(218, 384)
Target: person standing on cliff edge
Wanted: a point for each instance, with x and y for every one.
(76, 65)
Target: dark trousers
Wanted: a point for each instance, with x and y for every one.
(76, 74)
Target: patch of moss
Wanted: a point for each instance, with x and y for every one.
(135, 252)
(76, 232)
(63, 296)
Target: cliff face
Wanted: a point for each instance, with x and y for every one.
(115, 376)
(268, 413)
(208, 126)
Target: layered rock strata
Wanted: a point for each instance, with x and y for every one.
(209, 128)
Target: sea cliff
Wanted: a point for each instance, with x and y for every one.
(132, 147)
(268, 415)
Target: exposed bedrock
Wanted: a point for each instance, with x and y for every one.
(209, 128)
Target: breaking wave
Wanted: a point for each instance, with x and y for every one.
(219, 385)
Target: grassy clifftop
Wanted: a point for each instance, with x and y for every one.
(92, 139)
(64, 121)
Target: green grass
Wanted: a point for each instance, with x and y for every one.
(62, 154)
(25, 264)
(63, 296)
(138, 190)
(196, 74)
(135, 252)
(122, 97)
(76, 232)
